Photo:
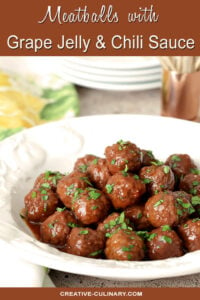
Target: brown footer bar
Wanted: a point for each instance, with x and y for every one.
(96, 293)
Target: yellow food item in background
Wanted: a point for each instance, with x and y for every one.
(17, 108)
(4, 80)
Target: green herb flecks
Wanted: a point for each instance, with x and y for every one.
(165, 227)
(95, 253)
(195, 200)
(127, 249)
(175, 158)
(158, 202)
(166, 169)
(167, 239)
(109, 188)
(84, 232)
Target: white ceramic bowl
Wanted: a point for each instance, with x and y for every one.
(56, 146)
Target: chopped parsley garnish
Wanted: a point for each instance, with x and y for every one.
(195, 200)
(50, 225)
(179, 212)
(95, 161)
(150, 153)
(174, 165)
(113, 161)
(47, 174)
(195, 220)
(195, 183)
(166, 169)
(136, 177)
(158, 202)
(43, 192)
(127, 249)
(108, 234)
(86, 180)
(72, 225)
(157, 163)
(109, 188)
(45, 197)
(94, 207)
(185, 205)
(151, 236)
(60, 209)
(139, 215)
(95, 253)
(195, 171)
(185, 225)
(84, 232)
(167, 239)
(175, 158)
(193, 191)
(70, 189)
(121, 218)
(45, 185)
(93, 194)
(122, 144)
(77, 193)
(143, 234)
(129, 256)
(147, 180)
(34, 194)
(165, 227)
(83, 168)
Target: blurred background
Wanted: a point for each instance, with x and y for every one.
(35, 90)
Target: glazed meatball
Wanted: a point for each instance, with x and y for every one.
(135, 214)
(99, 173)
(55, 229)
(124, 190)
(113, 222)
(168, 208)
(158, 178)
(85, 242)
(124, 245)
(191, 184)
(40, 203)
(181, 164)
(147, 157)
(82, 164)
(190, 233)
(71, 185)
(90, 206)
(123, 156)
(164, 243)
(50, 178)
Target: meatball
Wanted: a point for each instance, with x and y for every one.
(181, 164)
(71, 185)
(99, 173)
(191, 184)
(124, 190)
(164, 243)
(123, 156)
(82, 164)
(85, 242)
(124, 245)
(135, 214)
(147, 157)
(55, 229)
(113, 222)
(50, 178)
(190, 233)
(168, 208)
(158, 178)
(90, 206)
(40, 203)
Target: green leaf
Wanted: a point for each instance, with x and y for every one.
(62, 101)
(109, 188)
(6, 132)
